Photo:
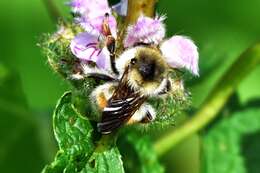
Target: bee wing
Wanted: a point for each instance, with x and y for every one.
(121, 106)
(118, 112)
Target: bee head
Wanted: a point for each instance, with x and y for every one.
(146, 69)
(148, 65)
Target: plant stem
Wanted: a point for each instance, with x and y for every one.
(53, 11)
(139, 7)
(214, 102)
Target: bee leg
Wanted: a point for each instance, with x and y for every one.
(113, 64)
(145, 114)
(102, 77)
(166, 88)
(111, 45)
(148, 118)
(97, 74)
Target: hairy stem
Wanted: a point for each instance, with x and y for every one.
(53, 11)
(139, 7)
(214, 102)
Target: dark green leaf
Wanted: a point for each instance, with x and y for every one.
(250, 151)
(138, 155)
(222, 145)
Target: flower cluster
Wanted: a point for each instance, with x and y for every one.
(179, 51)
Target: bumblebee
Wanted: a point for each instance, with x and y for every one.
(142, 73)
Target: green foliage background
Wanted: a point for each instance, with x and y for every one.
(29, 90)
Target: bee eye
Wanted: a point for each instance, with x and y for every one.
(133, 61)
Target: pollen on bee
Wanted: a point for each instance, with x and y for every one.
(101, 100)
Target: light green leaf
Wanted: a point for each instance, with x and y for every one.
(74, 135)
(222, 145)
(80, 149)
(107, 161)
(72, 131)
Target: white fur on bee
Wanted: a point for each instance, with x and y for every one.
(151, 90)
(106, 89)
(141, 113)
(124, 59)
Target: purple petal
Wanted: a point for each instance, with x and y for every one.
(94, 26)
(90, 8)
(121, 7)
(103, 59)
(78, 6)
(146, 30)
(92, 13)
(85, 47)
(181, 52)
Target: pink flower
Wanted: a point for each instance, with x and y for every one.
(78, 6)
(95, 26)
(92, 13)
(181, 52)
(90, 46)
(146, 30)
(86, 47)
(90, 8)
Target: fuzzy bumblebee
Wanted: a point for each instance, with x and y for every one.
(141, 72)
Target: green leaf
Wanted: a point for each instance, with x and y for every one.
(74, 135)
(108, 161)
(250, 151)
(138, 154)
(80, 149)
(72, 131)
(222, 145)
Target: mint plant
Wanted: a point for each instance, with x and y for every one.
(82, 44)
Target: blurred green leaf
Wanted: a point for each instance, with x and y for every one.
(76, 140)
(24, 22)
(137, 153)
(222, 144)
(18, 130)
(184, 157)
(250, 151)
